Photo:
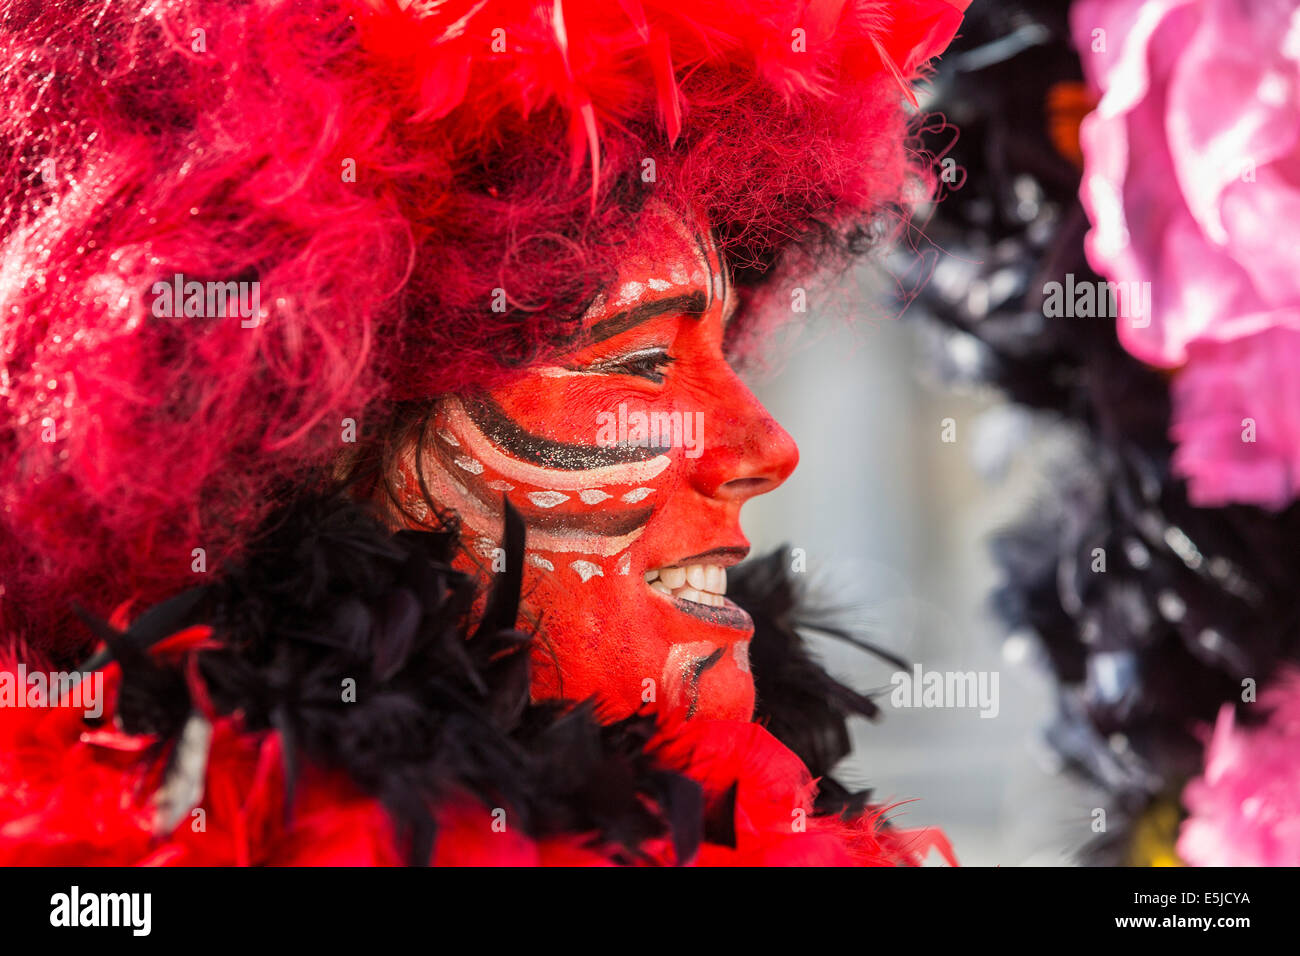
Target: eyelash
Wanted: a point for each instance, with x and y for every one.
(648, 364)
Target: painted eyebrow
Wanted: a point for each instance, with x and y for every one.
(693, 303)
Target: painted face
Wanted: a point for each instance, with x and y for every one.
(629, 457)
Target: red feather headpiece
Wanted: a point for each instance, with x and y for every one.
(380, 169)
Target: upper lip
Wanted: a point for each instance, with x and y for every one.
(726, 557)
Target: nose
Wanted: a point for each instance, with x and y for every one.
(746, 453)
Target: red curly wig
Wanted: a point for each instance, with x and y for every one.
(381, 169)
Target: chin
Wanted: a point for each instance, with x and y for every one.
(705, 663)
(725, 692)
(633, 648)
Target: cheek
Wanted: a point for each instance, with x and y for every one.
(605, 452)
(571, 408)
(553, 407)
(584, 505)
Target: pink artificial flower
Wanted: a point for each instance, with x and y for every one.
(1236, 419)
(1192, 183)
(1245, 808)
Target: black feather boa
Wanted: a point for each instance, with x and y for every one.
(328, 593)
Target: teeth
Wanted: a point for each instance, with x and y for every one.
(701, 583)
(673, 577)
(717, 579)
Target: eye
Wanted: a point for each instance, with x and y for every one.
(643, 363)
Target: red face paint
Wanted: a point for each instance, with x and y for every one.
(629, 457)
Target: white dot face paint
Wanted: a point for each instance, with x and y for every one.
(587, 570)
(630, 293)
(547, 499)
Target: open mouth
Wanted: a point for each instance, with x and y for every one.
(700, 590)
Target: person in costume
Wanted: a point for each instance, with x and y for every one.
(372, 454)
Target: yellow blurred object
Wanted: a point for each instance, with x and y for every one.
(1156, 834)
